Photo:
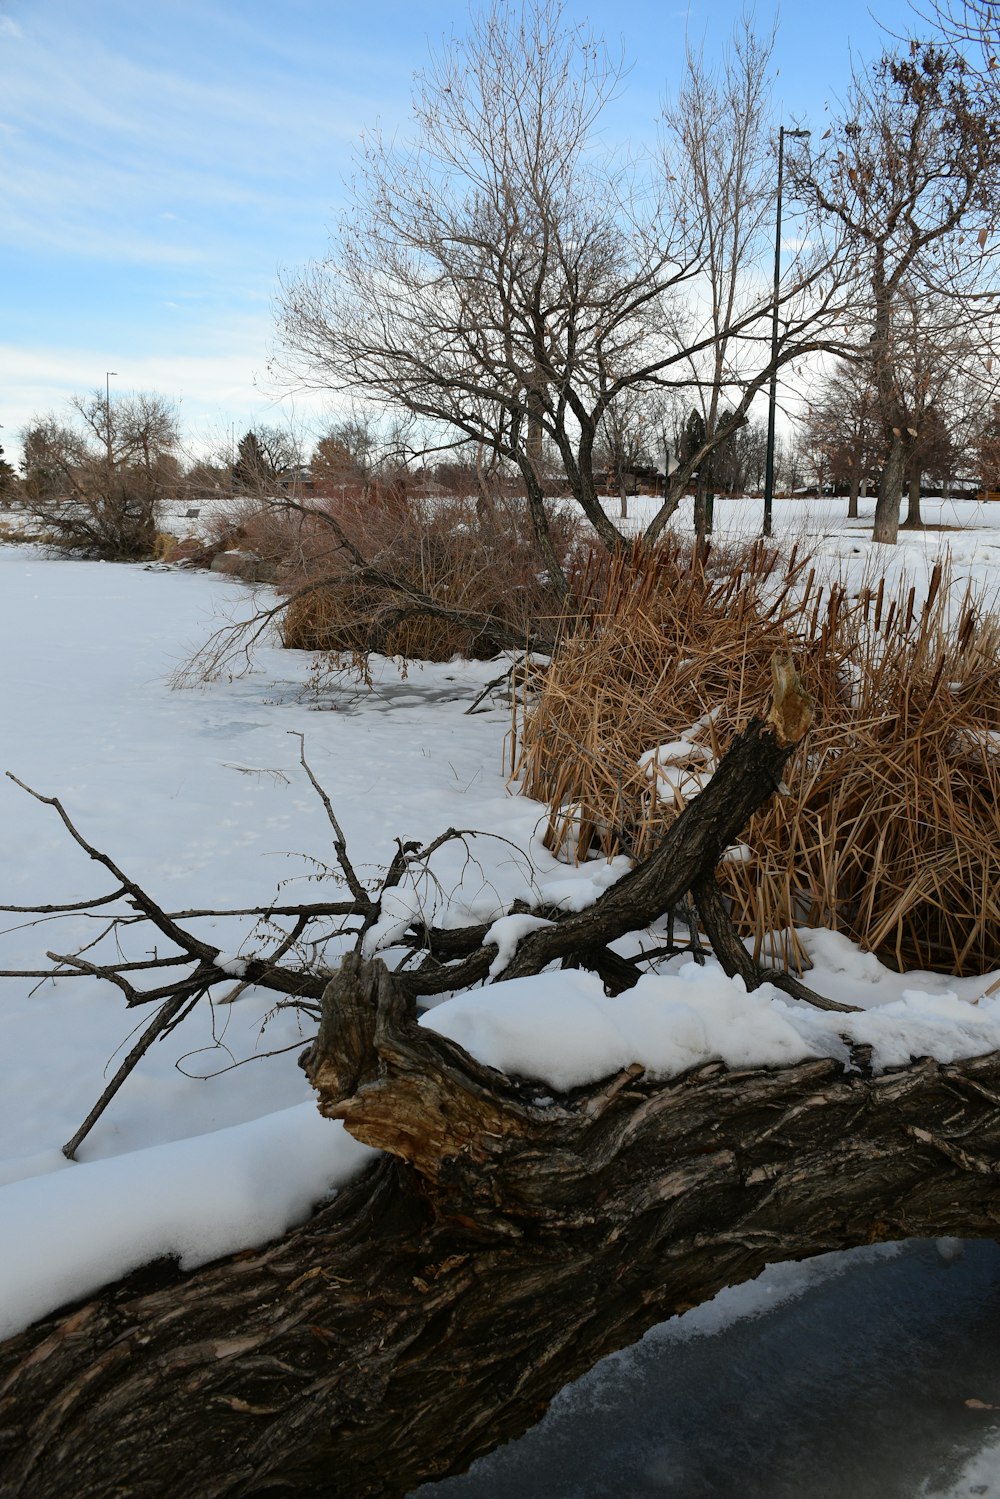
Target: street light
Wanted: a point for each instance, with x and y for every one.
(772, 403)
(107, 412)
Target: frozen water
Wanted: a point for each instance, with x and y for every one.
(854, 1386)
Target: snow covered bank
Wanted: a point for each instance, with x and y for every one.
(200, 796)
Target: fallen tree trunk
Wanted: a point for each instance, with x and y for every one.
(500, 1249)
(502, 1243)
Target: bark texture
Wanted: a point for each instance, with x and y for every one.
(500, 1249)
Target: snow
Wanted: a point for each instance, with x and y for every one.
(158, 778)
(570, 889)
(682, 766)
(235, 967)
(399, 908)
(505, 934)
(196, 1199)
(198, 794)
(561, 1029)
(980, 1476)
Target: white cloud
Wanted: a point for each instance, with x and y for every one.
(213, 391)
(102, 130)
(9, 27)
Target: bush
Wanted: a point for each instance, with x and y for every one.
(117, 523)
(437, 580)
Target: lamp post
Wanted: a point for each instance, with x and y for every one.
(107, 415)
(773, 401)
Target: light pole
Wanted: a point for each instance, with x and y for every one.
(107, 415)
(773, 401)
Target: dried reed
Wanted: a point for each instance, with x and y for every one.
(891, 829)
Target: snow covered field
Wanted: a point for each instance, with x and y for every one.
(199, 796)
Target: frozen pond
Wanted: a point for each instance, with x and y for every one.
(855, 1386)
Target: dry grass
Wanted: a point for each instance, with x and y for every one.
(441, 551)
(891, 830)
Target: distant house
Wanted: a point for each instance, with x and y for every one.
(638, 479)
(421, 488)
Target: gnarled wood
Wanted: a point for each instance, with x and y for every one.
(438, 1304)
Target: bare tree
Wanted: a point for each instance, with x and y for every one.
(97, 481)
(971, 28)
(841, 426)
(719, 132)
(628, 438)
(751, 447)
(789, 462)
(48, 447)
(911, 173)
(987, 449)
(505, 278)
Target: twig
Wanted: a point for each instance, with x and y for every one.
(320, 908)
(77, 905)
(134, 892)
(505, 676)
(160, 1021)
(340, 844)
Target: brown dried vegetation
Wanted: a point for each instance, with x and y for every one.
(890, 831)
(483, 572)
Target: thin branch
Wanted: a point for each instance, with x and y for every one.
(134, 892)
(340, 843)
(505, 676)
(78, 905)
(735, 959)
(160, 1021)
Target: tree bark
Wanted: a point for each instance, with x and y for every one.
(886, 527)
(914, 520)
(498, 1250)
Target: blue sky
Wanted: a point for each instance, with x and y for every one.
(162, 162)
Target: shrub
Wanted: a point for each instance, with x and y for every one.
(437, 581)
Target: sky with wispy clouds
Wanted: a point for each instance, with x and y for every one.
(161, 163)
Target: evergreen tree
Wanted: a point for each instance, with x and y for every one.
(8, 480)
(692, 436)
(251, 468)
